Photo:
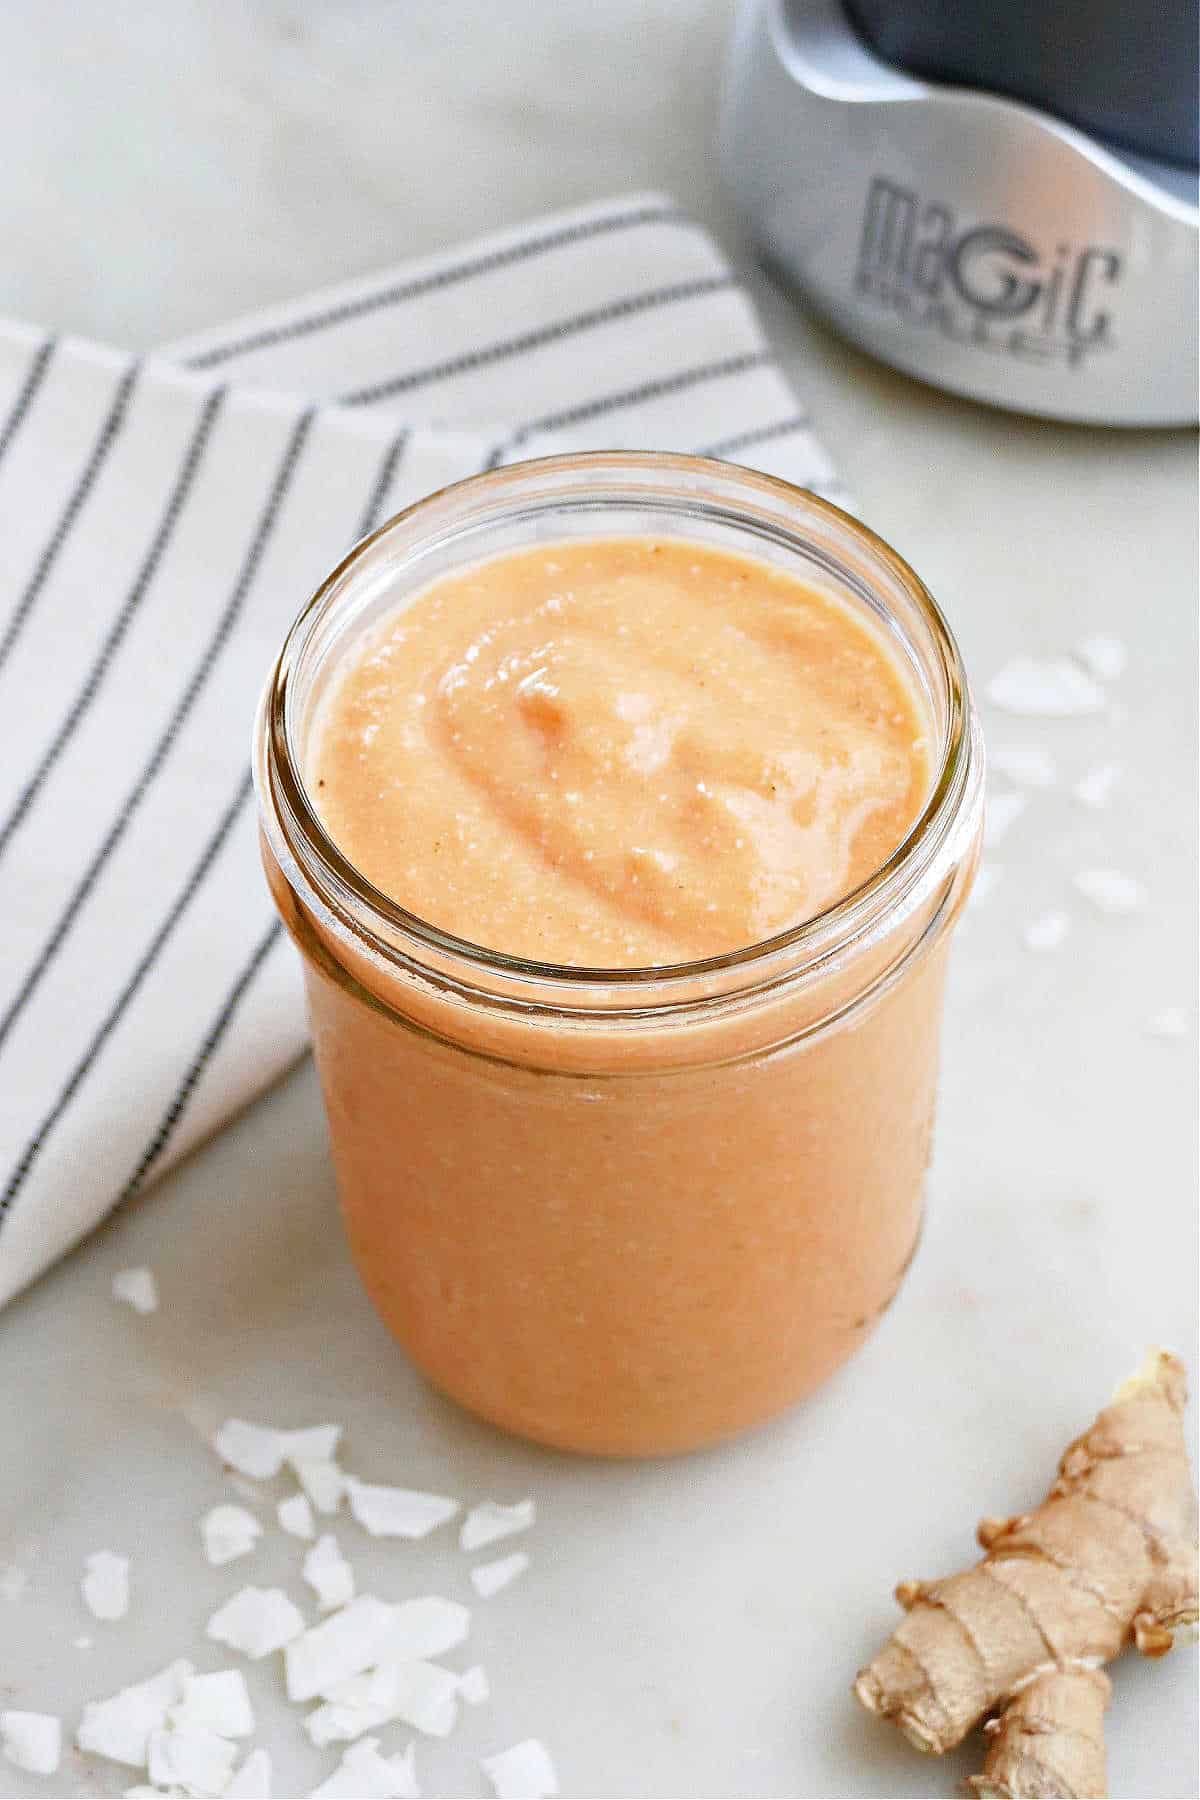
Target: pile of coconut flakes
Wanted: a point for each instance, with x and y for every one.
(363, 1664)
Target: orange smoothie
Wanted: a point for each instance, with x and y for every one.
(619, 754)
(623, 868)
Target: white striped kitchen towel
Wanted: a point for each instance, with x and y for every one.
(161, 521)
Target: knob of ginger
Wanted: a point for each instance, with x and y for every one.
(1049, 1739)
(1108, 1559)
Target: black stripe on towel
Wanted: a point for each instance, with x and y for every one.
(586, 410)
(761, 434)
(81, 704)
(158, 756)
(345, 311)
(20, 407)
(183, 899)
(629, 306)
(373, 511)
(202, 1058)
(106, 438)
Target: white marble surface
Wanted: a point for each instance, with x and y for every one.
(687, 1628)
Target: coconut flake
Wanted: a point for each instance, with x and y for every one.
(260, 1451)
(488, 1578)
(342, 1645)
(397, 1512)
(328, 1574)
(217, 1702)
(363, 1774)
(191, 1757)
(1171, 1022)
(119, 1728)
(1110, 891)
(1103, 656)
(228, 1532)
(1001, 813)
(1057, 689)
(424, 1628)
(525, 1772)
(256, 1621)
(136, 1288)
(31, 1741)
(490, 1521)
(106, 1584)
(253, 1780)
(1047, 931)
(296, 1516)
(1026, 764)
(1095, 788)
(420, 1693)
(474, 1686)
(340, 1721)
(323, 1482)
(362, 1703)
(254, 1450)
(311, 1444)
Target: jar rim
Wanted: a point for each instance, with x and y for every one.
(294, 827)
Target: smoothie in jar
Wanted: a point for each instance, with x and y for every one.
(624, 974)
(622, 753)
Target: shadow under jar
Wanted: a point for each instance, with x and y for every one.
(630, 1211)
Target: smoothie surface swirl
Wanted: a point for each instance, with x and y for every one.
(619, 752)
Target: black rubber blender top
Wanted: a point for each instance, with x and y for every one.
(1125, 71)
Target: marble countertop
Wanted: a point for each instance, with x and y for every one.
(687, 1628)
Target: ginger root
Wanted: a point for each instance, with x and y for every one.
(1049, 1740)
(1107, 1559)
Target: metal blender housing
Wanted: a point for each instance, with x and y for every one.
(972, 239)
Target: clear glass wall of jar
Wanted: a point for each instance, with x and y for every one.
(636, 1211)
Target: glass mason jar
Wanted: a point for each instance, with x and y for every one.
(629, 1211)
